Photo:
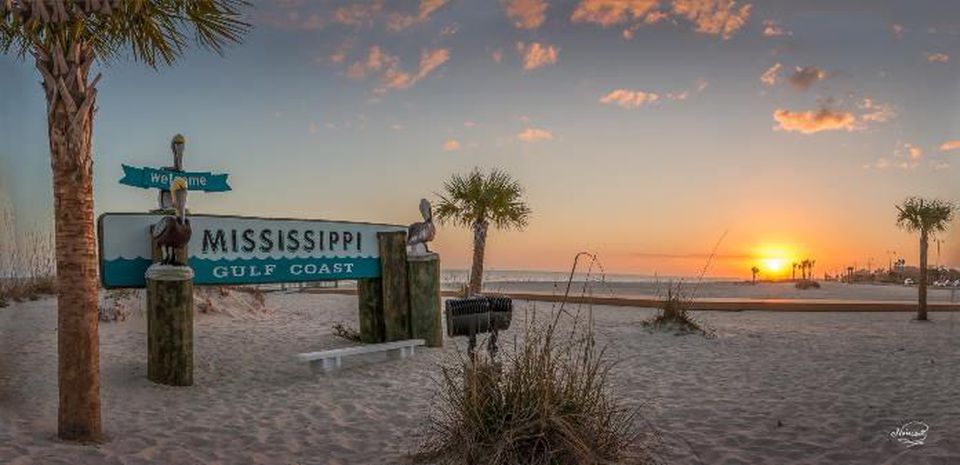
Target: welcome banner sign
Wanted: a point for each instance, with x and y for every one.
(153, 178)
(233, 250)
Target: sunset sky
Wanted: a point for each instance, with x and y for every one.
(643, 129)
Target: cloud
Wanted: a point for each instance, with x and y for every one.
(950, 145)
(357, 14)
(812, 122)
(937, 57)
(293, 21)
(773, 29)
(803, 78)
(395, 78)
(401, 21)
(716, 17)
(451, 145)
(769, 77)
(497, 56)
(536, 55)
(374, 62)
(612, 12)
(875, 112)
(535, 135)
(526, 14)
(630, 99)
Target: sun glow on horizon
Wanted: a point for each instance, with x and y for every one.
(774, 259)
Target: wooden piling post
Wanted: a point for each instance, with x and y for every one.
(169, 320)
(396, 294)
(170, 325)
(370, 296)
(425, 314)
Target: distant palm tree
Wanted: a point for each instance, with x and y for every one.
(755, 270)
(926, 216)
(477, 200)
(65, 38)
(793, 276)
(810, 263)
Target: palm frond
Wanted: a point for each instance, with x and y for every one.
(479, 198)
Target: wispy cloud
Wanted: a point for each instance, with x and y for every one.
(804, 77)
(613, 12)
(937, 57)
(526, 14)
(630, 99)
(769, 77)
(772, 28)
(897, 30)
(950, 145)
(391, 73)
(535, 135)
(536, 55)
(401, 21)
(812, 122)
(357, 14)
(716, 17)
(875, 112)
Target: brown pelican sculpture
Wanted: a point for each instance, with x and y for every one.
(418, 234)
(172, 233)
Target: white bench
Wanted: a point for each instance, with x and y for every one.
(330, 359)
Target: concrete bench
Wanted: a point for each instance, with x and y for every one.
(330, 359)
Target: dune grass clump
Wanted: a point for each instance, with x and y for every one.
(547, 401)
(345, 331)
(674, 314)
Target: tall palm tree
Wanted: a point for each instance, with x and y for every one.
(793, 275)
(65, 38)
(926, 216)
(477, 200)
(755, 271)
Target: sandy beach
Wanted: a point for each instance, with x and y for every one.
(770, 388)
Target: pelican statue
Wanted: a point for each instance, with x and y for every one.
(177, 145)
(418, 234)
(172, 233)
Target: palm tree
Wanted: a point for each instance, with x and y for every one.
(755, 270)
(65, 38)
(793, 275)
(926, 216)
(477, 200)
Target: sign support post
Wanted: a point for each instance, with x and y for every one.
(423, 272)
(170, 325)
(396, 294)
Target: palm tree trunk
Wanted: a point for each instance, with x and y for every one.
(922, 286)
(479, 246)
(70, 109)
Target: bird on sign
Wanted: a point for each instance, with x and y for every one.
(172, 233)
(418, 234)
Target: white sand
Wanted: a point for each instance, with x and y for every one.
(838, 383)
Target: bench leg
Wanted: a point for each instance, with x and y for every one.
(329, 364)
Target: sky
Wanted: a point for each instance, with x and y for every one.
(655, 133)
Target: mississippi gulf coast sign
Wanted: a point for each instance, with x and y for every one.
(232, 250)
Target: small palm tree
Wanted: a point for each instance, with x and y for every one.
(65, 38)
(477, 200)
(794, 274)
(926, 216)
(755, 271)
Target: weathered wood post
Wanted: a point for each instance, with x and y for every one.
(396, 294)
(425, 315)
(370, 296)
(170, 321)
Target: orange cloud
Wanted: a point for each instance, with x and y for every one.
(374, 62)
(630, 99)
(772, 28)
(497, 56)
(812, 122)
(876, 112)
(451, 145)
(401, 21)
(535, 135)
(950, 145)
(937, 57)
(357, 14)
(612, 12)
(769, 77)
(717, 17)
(395, 78)
(536, 55)
(526, 14)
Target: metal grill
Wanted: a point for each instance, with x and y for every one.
(478, 315)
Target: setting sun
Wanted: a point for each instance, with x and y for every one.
(774, 259)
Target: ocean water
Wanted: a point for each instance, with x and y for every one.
(534, 276)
